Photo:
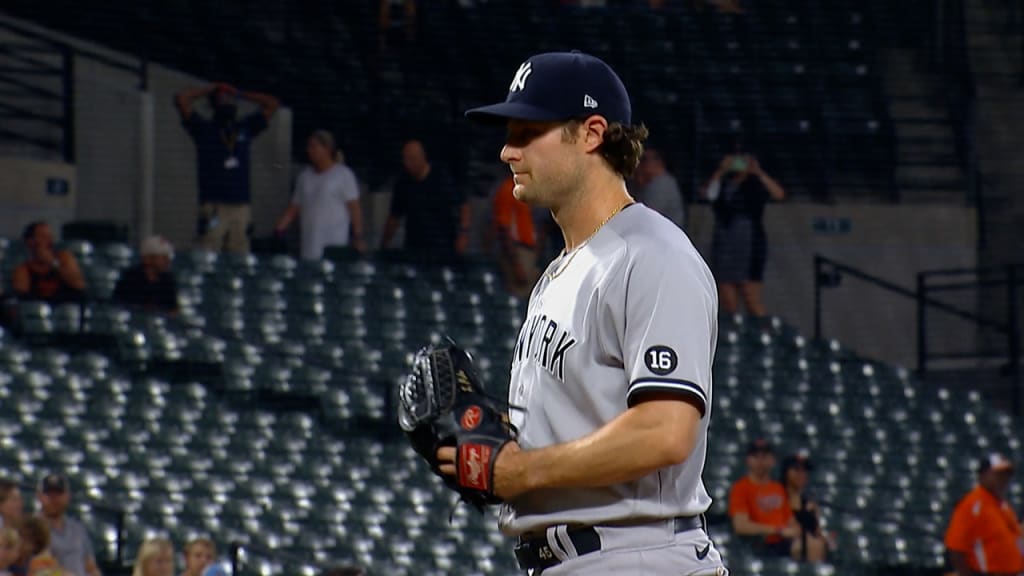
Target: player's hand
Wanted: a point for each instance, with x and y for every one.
(508, 480)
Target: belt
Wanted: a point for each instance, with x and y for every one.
(536, 553)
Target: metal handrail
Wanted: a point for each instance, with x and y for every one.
(827, 273)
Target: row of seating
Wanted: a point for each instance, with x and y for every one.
(191, 453)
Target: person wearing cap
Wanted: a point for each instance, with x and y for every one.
(810, 543)
(984, 535)
(69, 540)
(326, 199)
(758, 505)
(223, 149)
(612, 367)
(149, 285)
(434, 210)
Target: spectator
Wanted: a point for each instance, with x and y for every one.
(223, 148)
(810, 542)
(200, 553)
(327, 199)
(517, 240)
(150, 285)
(739, 190)
(757, 504)
(156, 558)
(11, 504)
(10, 549)
(68, 537)
(35, 549)
(436, 214)
(984, 535)
(658, 189)
(50, 275)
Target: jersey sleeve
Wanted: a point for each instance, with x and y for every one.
(958, 534)
(349, 187)
(739, 503)
(670, 325)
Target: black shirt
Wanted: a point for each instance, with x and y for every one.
(134, 289)
(431, 211)
(744, 200)
(222, 156)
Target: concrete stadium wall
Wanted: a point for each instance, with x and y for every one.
(892, 242)
(111, 139)
(33, 189)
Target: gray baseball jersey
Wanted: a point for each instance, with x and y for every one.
(632, 310)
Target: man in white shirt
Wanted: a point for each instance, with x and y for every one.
(326, 199)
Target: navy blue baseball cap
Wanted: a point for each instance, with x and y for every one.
(560, 86)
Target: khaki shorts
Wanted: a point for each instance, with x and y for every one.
(224, 227)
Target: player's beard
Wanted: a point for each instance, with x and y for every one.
(555, 188)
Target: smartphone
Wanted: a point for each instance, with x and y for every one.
(739, 164)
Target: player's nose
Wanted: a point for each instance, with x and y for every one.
(510, 153)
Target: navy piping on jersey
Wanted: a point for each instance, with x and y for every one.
(667, 385)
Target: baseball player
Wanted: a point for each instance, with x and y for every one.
(612, 368)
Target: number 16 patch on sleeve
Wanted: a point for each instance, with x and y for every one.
(661, 360)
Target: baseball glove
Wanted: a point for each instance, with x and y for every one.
(443, 403)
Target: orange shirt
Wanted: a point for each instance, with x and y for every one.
(514, 215)
(986, 530)
(764, 503)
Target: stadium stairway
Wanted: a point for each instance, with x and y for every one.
(262, 415)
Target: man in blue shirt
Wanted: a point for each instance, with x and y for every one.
(69, 540)
(223, 145)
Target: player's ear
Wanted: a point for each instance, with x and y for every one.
(593, 128)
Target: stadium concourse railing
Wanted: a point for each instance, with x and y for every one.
(982, 285)
(26, 57)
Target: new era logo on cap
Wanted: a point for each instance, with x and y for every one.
(557, 86)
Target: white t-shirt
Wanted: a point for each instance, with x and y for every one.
(323, 214)
(634, 310)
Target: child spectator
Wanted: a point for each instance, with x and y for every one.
(199, 554)
(156, 558)
(810, 543)
(35, 548)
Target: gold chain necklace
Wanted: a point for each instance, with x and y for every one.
(562, 267)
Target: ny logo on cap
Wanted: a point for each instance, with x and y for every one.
(519, 82)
